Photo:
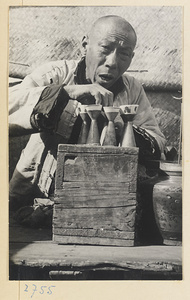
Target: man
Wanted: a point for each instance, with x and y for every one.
(46, 102)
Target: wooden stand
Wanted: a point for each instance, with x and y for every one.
(95, 195)
(110, 136)
(128, 113)
(85, 125)
(94, 111)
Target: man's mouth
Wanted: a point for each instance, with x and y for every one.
(106, 77)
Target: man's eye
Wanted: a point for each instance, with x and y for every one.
(125, 53)
(105, 49)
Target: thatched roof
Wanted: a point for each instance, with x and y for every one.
(41, 34)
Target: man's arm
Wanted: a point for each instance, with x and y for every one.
(36, 104)
(145, 117)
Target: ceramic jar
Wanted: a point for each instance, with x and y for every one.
(167, 203)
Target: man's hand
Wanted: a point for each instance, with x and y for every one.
(101, 95)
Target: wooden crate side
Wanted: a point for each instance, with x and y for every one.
(73, 149)
(116, 234)
(94, 188)
(83, 150)
(118, 218)
(59, 170)
(84, 193)
(95, 195)
(94, 185)
(100, 167)
(92, 241)
(63, 199)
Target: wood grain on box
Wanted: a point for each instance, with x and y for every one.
(95, 195)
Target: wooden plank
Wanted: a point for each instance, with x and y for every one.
(93, 186)
(103, 168)
(63, 200)
(59, 170)
(82, 151)
(70, 256)
(111, 234)
(95, 195)
(43, 254)
(119, 218)
(97, 149)
(92, 241)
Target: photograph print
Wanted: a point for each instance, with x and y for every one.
(95, 139)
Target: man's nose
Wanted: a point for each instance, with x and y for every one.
(111, 60)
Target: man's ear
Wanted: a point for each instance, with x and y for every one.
(84, 41)
(84, 44)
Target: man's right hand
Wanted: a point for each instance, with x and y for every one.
(102, 96)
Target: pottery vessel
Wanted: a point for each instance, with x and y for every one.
(127, 114)
(128, 111)
(167, 203)
(85, 124)
(93, 111)
(110, 135)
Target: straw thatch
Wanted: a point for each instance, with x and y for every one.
(41, 34)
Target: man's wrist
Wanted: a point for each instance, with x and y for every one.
(47, 111)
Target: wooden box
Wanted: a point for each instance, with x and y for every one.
(95, 195)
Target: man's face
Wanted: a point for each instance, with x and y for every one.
(109, 52)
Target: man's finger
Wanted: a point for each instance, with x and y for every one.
(110, 99)
(105, 99)
(98, 98)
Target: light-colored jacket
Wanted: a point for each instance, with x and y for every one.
(34, 167)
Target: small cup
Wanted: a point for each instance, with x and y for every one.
(129, 109)
(111, 109)
(82, 109)
(92, 107)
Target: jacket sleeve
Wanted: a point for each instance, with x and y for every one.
(145, 117)
(36, 103)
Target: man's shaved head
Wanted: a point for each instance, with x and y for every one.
(111, 21)
(109, 49)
